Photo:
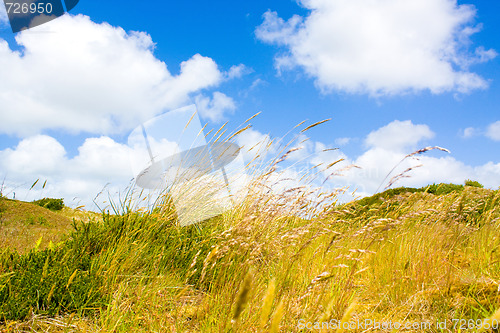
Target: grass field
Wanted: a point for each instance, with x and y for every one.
(404, 256)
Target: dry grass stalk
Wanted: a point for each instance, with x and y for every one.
(403, 174)
(417, 152)
(242, 298)
(267, 303)
(315, 124)
(276, 319)
(347, 316)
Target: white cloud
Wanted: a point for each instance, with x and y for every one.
(302, 148)
(342, 141)
(255, 144)
(488, 174)
(256, 83)
(103, 163)
(91, 77)
(386, 147)
(380, 47)
(214, 108)
(35, 155)
(398, 136)
(469, 132)
(382, 156)
(237, 71)
(377, 163)
(313, 152)
(100, 163)
(493, 131)
(103, 159)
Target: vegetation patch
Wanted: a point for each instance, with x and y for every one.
(473, 183)
(48, 282)
(50, 203)
(436, 189)
(23, 223)
(404, 255)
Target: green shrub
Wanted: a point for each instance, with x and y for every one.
(441, 189)
(47, 282)
(436, 189)
(49, 203)
(77, 275)
(387, 194)
(473, 183)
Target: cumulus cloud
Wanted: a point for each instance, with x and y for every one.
(35, 155)
(381, 47)
(255, 145)
(375, 164)
(216, 107)
(101, 162)
(493, 131)
(382, 156)
(367, 172)
(398, 136)
(102, 158)
(91, 77)
(102, 170)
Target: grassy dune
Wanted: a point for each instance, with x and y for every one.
(403, 256)
(22, 224)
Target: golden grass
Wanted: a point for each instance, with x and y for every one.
(413, 258)
(276, 260)
(22, 224)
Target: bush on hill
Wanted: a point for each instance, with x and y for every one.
(473, 183)
(50, 203)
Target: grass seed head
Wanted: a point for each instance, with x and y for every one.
(242, 298)
(267, 303)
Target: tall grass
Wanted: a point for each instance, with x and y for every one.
(275, 258)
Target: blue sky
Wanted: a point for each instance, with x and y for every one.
(394, 76)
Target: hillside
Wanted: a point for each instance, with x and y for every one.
(22, 224)
(425, 258)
